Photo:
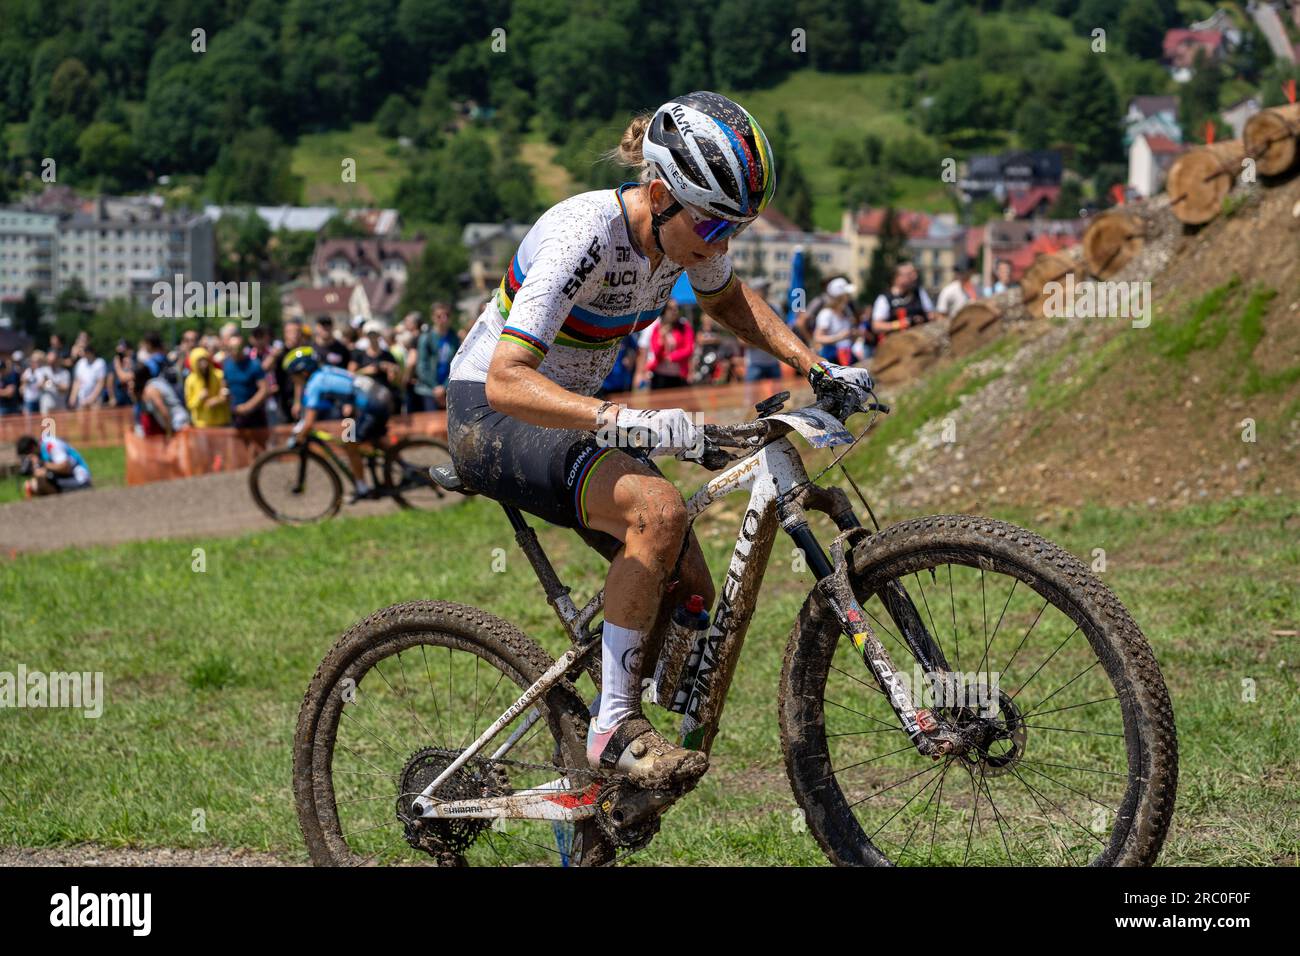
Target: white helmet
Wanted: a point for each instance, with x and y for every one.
(711, 154)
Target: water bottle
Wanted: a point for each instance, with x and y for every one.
(689, 623)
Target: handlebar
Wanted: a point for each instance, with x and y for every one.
(840, 401)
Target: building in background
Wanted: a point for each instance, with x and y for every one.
(767, 250)
(934, 242)
(491, 245)
(1152, 114)
(1182, 46)
(382, 223)
(28, 257)
(1002, 174)
(308, 304)
(349, 261)
(114, 246)
(1149, 159)
(1238, 113)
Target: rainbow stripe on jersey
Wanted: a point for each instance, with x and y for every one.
(582, 328)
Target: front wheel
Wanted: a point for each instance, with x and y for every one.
(1069, 752)
(295, 485)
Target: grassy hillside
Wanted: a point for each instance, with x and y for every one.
(318, 159)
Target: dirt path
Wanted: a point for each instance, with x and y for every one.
(221, 504)
(205, 506)
(104, 856)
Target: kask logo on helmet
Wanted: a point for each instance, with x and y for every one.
(678, 113)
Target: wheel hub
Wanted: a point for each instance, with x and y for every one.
(993, 743)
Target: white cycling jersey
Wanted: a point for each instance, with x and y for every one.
(576, 286)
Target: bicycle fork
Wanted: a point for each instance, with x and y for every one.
(835, 587)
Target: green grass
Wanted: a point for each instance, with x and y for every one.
(204, 674)
(932, 397)
(318, 158)
(1203, 326)
(1227, 319)
(107, 470)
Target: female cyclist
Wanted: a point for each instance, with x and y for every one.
(521, 420)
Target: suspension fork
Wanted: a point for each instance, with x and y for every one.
(836, 590)
(902, 611)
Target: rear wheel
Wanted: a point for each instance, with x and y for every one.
(1069, 753)
(394, 702)
(407, 472)
(295, 485)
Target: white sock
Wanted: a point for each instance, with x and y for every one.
(620, 667)
(363, 487)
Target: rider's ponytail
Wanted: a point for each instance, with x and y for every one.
(628, 151)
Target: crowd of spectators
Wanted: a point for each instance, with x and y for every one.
(232, 379)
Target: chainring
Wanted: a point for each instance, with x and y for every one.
(620, 831)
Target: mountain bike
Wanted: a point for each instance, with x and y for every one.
(302, 481)
(955, 691)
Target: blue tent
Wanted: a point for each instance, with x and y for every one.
(796, 286)
(682, 290)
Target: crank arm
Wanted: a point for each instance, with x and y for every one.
(838, 592)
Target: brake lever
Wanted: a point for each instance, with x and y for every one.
(714, 458)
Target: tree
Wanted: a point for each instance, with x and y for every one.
(289, 252)
(108, 153)
(1069, 201)
(1034, 124)
(254, 168)
(1092, 111)
(959, 101)
(393, 116)
(436, 274)
(889, 252)
(750, 43)
(6, 183)
(27, 314)
(793, 194)
(72, 92)
(1198, 99)
(178, 131)
(1142, 30)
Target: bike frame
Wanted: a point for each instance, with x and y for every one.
(780, 494)
(325, 442)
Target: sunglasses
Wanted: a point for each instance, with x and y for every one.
(712, 229)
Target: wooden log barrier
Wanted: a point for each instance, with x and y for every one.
(1111, 241)
(1272, 139)
(902, 356)
(974, 325)
(1051, 267)
(1200, 179)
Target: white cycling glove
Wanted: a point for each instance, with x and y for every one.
(663, 431)
(850, 375)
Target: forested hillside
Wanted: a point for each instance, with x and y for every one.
(863, 97)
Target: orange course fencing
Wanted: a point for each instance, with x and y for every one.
(201, 451)
(82, 428)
